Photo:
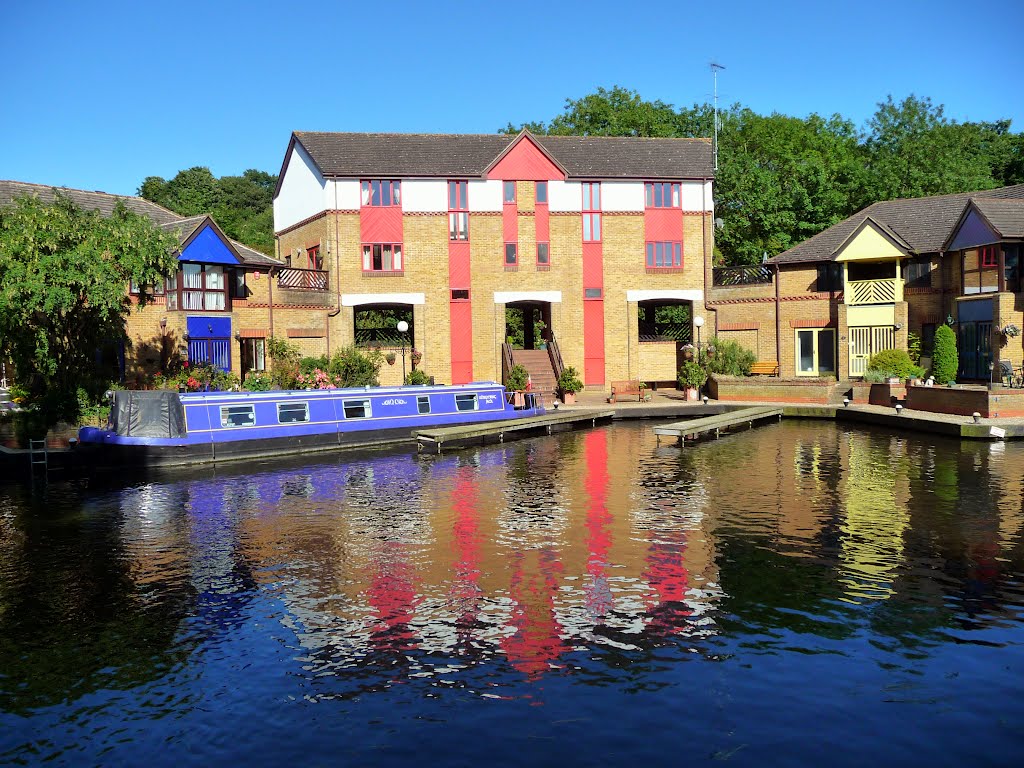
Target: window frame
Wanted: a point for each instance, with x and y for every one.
(591, 211)
(458, 193)
(367, 189)
(546, 262)
(988, 257)
(314, 259)
(538, 186)
(292, 405)
(397, 249)
(461, 397)
(651, 254)
(422, 400)
(653, 190)
(364, 402)
(828, 277)
(505, 187)
(227, 411)
(257, 356)
(175, 297)
(515, 255)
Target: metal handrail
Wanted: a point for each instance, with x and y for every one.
(506, 360)
(555, 355)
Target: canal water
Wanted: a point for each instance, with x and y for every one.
(794, 595)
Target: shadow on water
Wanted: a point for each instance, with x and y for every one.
(704, 602)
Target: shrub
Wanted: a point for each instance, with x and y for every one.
(258, 381)
(515, 379)
(945, 360)
(309, 364)
(350, 367)
(726, 357)
(914, 348)
(692, 375)
(416, 377)
(569, 382)
(894, 362)
(284, 363)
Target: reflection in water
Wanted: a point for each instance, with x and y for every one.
(814, 575)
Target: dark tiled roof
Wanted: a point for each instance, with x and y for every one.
(442, 155)
(1007, 216)
(104, 202)
(923, 222)
(91, 201)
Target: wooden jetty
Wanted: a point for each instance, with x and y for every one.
(440, 436)
(695, 427)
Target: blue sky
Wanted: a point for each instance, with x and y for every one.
(101, 95)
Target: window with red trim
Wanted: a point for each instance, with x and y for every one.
(381, 193)
(591, 211)
(511, 254)
(460, 294)
(382, 257)
(314, 259)
(987, 256)
(667, 255)
(508, 192)
(662, 194)
(542, 192)
(458, 210)
(543, 254)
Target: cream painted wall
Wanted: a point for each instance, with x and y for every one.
(870, 245)
(874, 314)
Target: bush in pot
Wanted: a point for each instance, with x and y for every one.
(945, 360)
(692, 376)
(569, 384)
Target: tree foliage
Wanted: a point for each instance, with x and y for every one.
(63, 279)
(242, 205)
(782, 179)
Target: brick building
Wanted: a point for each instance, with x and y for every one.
(216, 308)
(824, 307)
(591, 251)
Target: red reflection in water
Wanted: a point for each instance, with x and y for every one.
(598, 592)
(537, 640)
(393, 596)
(669, 579)
(465, 592)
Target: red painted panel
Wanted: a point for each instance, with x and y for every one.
(380, 225)
(458, 264)
(663, 224)
(593, 267)
(542, 218)
(593, 342)
(525, 162)
(461, 315)
(510, 223)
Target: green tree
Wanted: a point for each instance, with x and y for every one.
(913, 150)
(63, 280)
(945, 359)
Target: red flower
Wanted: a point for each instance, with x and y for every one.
(185, 364)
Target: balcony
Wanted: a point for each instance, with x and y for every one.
(873, 292)
(291, 279)
(758, 274)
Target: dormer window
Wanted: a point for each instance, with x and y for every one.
(377, 193)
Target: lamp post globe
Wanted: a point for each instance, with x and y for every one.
(403, 328)
(698, 323)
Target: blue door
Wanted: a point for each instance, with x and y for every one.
(209, 341)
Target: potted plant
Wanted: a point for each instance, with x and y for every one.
(691, 378)
(688, 351)
(569, 384)
(515, 383)
(390, 358)
(415, 355)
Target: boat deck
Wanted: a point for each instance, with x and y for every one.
(436, 438)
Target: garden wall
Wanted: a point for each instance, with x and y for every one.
(773, 389)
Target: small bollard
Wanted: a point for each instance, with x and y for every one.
(899, 409)
(705, 399)
(846, 401)
(976, 416)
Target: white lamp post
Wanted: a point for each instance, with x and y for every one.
(403, 328)
(698, 323)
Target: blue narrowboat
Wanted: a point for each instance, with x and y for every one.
(165, 428)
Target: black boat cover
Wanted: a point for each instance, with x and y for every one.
(138, 413)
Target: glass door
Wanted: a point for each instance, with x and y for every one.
(816, 352)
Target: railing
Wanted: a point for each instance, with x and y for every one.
(871, 291)
(302, 279)
(381, 337)
(506, 360)
(758, 274)
(679, 332)
(555, 355)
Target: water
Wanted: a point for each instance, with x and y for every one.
(794, 595)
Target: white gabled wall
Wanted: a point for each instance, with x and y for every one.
(697, 196)
(484, 196)
(565, 197)
(341, 195)
(424, 196)
(622, 196)
(302, 191)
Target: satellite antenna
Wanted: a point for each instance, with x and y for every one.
(715, 66)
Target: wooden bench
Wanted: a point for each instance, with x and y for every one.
(620, 388)
(765, 368)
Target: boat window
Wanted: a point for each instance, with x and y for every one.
(289, 413)
(238, 416)
(423, 403)
(357, 409)
(466, 402)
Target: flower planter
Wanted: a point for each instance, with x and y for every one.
(692, 394)
(569, 398)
